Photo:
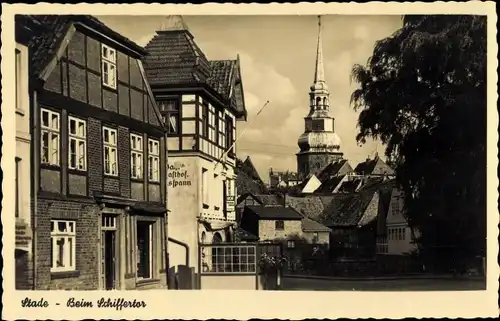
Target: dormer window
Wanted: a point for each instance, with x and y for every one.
(108, 66)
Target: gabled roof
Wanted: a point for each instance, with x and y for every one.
(270, 199)
(332, 169)
(330, 184)
(310, 225)
(350, 186)
(348, 210)
(247, 178)
(175, 59)
(374, 166)
(55, 28)
(274, 212)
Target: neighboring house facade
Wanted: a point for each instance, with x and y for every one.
(201, 102)
(315, 232)
(273, 223)
(399, 237)
(283, 179)
(23, 188)
(99, 172)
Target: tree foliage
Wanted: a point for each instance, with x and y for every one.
(423, 94)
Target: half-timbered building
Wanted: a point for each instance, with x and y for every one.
(99, 210)
(201, 101)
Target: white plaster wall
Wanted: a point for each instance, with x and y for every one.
(22, 111)
(183, 195)
(395, 220)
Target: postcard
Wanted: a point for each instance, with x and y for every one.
(240, 161)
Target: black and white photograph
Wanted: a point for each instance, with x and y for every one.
(320, 151)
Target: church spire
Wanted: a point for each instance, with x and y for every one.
(319, 74)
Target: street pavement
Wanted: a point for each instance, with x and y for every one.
(309, 284)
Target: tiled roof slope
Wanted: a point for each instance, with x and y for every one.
(374, 166)
(330, 184)
(247, 179)
(46, 44)
(310, 225)
(274, 212)
(243, 235)
(333, 169)
(270, 199)
(175, 59)
(310, 206)
(348, 210)
(221, 76)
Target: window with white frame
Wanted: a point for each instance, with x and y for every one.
(136, 156)
(108, 66)
(77, 137)
(315, 237)
(110, 151)
(154, 160)
(50, 137)
(63, 245)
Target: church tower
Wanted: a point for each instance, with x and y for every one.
(319, 144)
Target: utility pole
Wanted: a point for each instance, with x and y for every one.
(241, 134)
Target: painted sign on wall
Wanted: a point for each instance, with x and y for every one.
(178, 176)
(23, 235)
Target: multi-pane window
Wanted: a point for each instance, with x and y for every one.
(204, 119)
(229, 135)
(110, 151)
(154, 160)
(77, 137)
(170, 113)
(136, 156)
(108, 66)
(50, 131)
(290, 244)
(63, 245)
(280, 225)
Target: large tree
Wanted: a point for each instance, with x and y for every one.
(423, 94)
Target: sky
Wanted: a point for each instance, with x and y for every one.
(277, 56)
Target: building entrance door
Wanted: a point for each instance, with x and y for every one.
(109, 259)
(109, 253)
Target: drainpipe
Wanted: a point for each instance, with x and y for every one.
(184, 245)
(35, 170)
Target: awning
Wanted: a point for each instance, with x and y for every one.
(216, 225)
